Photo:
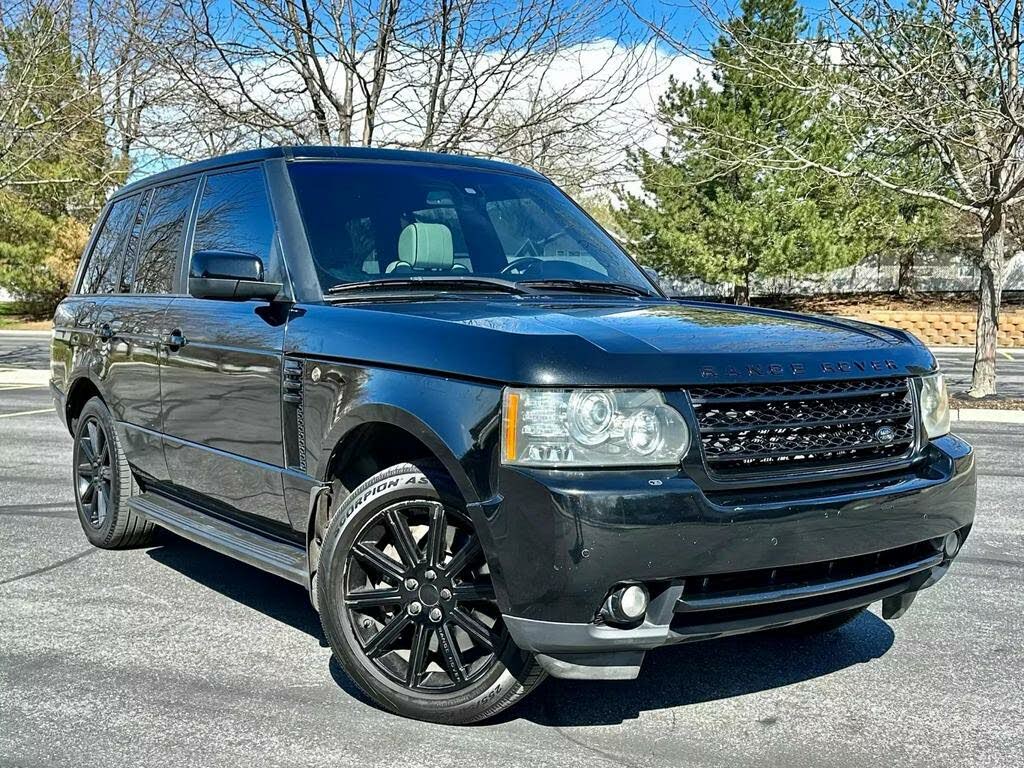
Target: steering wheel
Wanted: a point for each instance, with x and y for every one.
(521, 266)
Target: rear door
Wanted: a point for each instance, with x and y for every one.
(79, 336)
(133, 320)
(222, 385)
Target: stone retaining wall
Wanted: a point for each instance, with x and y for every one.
(948, 328)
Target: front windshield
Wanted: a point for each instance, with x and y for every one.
(393, 220)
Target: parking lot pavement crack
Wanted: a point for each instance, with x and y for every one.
(612, 758)
(49, 567)
(59, 509)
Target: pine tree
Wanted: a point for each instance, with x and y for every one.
(701, 213)
(56, 162)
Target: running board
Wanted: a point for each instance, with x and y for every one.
(277, 557)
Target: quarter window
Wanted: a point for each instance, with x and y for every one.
(163, 238)
(104, 265)
(234, 215)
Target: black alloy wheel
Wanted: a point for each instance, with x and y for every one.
(104, 483)
(420, 599)
(93, 471)
(408, 604)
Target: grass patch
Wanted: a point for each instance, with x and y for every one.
(13, 317)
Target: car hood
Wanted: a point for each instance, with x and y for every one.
(621, 342)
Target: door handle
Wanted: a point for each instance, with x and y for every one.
(175, 340)
(105, 332)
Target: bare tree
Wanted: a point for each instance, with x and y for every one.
(938, 79)
(127, 45)
(492, 77)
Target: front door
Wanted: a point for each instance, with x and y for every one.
(221, 381)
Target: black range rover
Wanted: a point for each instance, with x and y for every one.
(434, 392)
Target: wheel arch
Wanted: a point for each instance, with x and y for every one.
(368, 440)
(80, 392)
(370, 434)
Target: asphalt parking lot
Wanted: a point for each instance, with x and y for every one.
(174, 655)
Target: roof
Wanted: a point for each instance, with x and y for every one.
(366, 154)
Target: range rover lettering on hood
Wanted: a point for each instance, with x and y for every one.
(796, 369)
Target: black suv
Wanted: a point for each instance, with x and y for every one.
(437, 394)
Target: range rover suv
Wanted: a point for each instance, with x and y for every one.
(434, 392)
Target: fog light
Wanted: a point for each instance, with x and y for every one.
(950, 544)
(626, 604)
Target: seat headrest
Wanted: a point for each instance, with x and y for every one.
(426, 246)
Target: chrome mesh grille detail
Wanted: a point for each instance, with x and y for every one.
(788, 428)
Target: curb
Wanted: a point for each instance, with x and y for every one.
(24, 377)
(21, 334)
(987, 414)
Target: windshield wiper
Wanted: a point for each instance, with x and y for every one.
(428, 283)
(588, 286)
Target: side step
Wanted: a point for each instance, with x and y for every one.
(277, 557)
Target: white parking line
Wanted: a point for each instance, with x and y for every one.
(25, 413)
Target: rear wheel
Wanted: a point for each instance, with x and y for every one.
(104, 483)
(408, 606)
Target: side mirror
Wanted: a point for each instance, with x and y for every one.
(229, 275)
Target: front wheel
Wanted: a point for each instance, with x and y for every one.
(408, 606)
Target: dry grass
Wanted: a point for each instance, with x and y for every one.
(13, 318)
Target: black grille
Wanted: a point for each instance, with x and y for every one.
(749, 430)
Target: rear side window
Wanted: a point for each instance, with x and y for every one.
(163, 238)
(234, 215)
(104, 265)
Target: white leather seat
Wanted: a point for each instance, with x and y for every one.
(424, 247)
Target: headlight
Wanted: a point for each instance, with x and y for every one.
(591, 428)
(934, 405)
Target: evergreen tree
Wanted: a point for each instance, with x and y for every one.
(57, 167)
(702, 213)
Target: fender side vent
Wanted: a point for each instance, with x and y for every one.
(294, 427)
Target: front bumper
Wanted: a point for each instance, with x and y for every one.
(558, 542)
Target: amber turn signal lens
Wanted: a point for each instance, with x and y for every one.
(511, 425)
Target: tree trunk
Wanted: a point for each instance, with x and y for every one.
(741, 294)
(990, 290)
(905, 281)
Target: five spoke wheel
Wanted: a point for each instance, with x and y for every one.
(93, 473)
(420, 598)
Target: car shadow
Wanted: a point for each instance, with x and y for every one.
(694, 673)
(272, 596)
(677, 676)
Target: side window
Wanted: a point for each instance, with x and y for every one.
(131, 254)
(104, 265)
(234, 215)
(163, 238)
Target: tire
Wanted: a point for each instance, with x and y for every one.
(379, 615)
(103, 483)
(821, 626)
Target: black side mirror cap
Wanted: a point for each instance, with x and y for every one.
(226, 265)
(229, 275)
(652, 273)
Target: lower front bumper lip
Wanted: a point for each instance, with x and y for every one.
(774, 609)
